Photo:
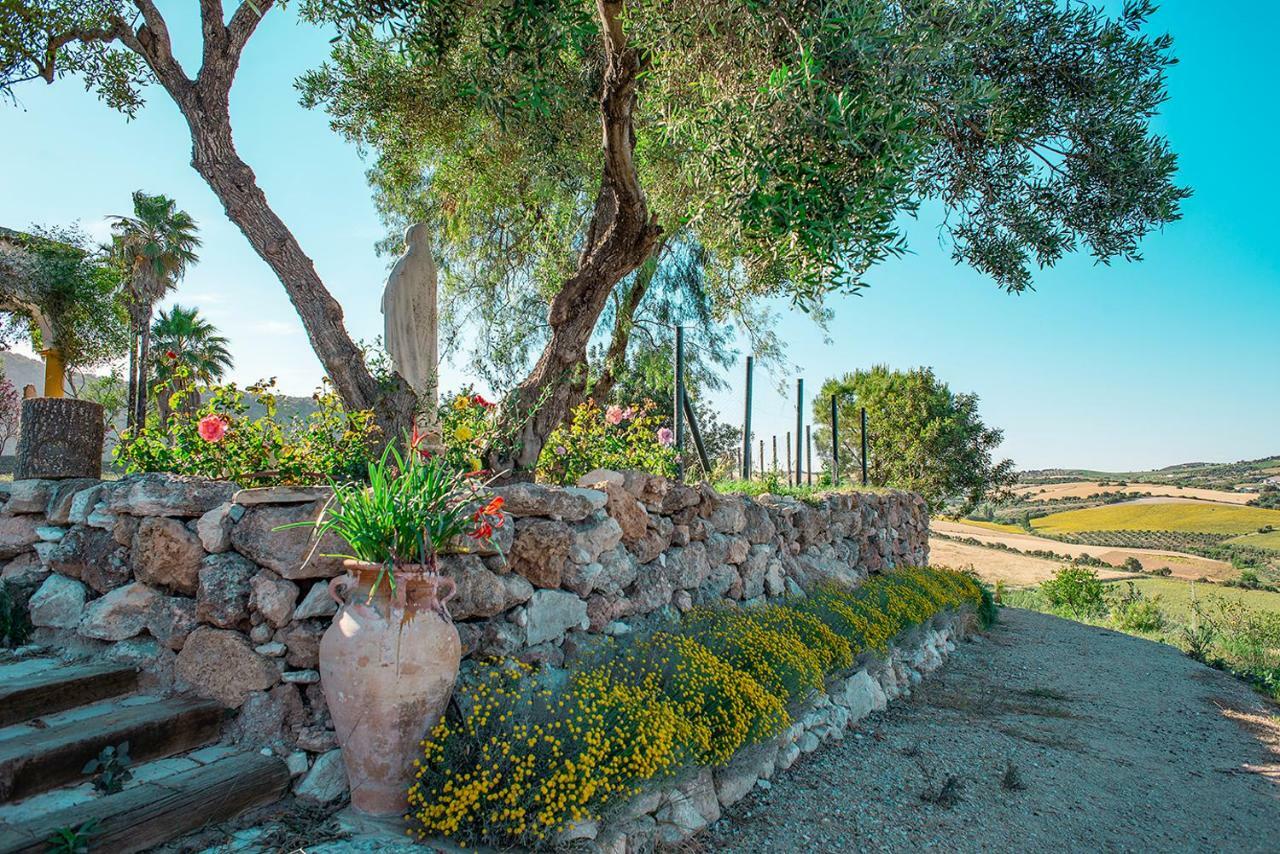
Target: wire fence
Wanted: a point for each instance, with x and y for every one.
(797, 462)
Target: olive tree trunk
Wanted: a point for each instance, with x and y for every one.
(621, 235)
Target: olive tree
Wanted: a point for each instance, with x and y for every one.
(121, 48)
(557, 147)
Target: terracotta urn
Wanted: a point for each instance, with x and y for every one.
(387, 667)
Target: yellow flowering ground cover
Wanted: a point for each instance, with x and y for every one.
(525, 754)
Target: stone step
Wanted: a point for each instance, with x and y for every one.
(45, 686)
(50, 751)
(166, 804)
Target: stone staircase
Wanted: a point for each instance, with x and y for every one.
(55, 717)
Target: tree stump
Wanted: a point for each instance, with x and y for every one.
(60, 437)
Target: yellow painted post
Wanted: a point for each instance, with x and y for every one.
(54, 373)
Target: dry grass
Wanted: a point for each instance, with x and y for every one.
(1085, 488)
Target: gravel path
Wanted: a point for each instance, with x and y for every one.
(1116, 744)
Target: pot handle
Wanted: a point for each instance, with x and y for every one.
(446, 581)
(343, 583)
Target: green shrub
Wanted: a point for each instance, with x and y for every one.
(1131, 564)
(1133, 612)
(221, 441)
(1076, 592)
(521, 755)
(613, 438)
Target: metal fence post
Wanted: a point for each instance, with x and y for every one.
(761, 457)
(775, 453)
(799, 427)
(746, 426)
(788, 457)
(835, 443)
(678, 403)
(808, 450)
(864, 446)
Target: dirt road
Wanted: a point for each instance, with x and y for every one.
(1116, 744)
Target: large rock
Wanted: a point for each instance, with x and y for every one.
(618, 569)
(626, 509)
(540, 551)
(59, 603)
(93, 556)
(594, 536)
(570, 503)
(480, 592)
(29, 496)
(273, 597)
(690, 808)
(172, 620)
(649, 489)
(120, 614)
(553, 612)
(317, 603)
(59, 437)
(687, 567)
(167, 554)
(326, 782)
(222, 665)
(214, 527)
(302, 642)
(293, 552)
(63, 495)
(158, 494)
(269, 717)
(223, 596)
(18, 534)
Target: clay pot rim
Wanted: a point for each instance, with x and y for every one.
(407, 570)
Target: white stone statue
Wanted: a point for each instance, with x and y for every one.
(410, 320)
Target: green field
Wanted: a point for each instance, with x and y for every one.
(1258, 541)
(1200, 518)
(1175, 596)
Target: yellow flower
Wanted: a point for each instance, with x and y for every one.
(463, 433)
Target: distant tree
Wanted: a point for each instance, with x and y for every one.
(10, 412)
(110, 392)
(62, 294)
(922, 436)
(189, 350)
(155, 245)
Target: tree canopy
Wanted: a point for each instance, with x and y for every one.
(774, 146)
(556, 146)
(59, 291)
(921, 435)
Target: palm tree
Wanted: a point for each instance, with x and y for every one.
(155, 245)
(190, 351)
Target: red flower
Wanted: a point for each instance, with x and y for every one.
(212, 428)
(171, 354)
(416, 442)
(479, 400)
(483, 531)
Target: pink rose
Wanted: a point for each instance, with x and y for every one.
(628, 413)
(613, 414)
(561, 450)
(666, 437)
(212, 428)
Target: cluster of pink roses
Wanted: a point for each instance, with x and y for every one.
(615, 415)
(212, 428)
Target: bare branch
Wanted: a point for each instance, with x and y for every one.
(245, 21)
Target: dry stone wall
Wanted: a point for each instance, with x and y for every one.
(191, 581)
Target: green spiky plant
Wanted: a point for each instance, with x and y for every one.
(415, 505)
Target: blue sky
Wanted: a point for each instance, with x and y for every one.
(1170, 360)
